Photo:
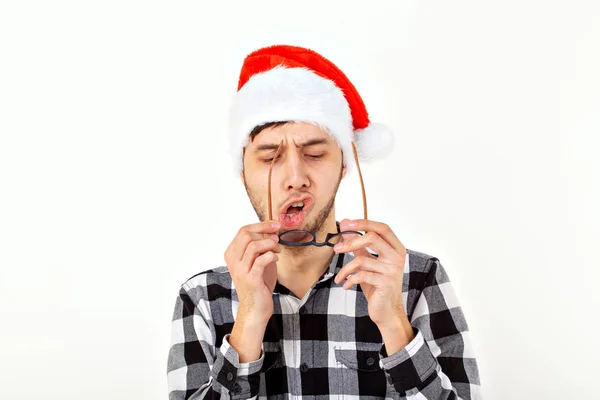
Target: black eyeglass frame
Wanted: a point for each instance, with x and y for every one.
(313, 242)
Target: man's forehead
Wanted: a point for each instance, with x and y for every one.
(300, 135)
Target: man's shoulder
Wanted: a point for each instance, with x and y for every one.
(425, 270)
(419, 261)
(210, 284)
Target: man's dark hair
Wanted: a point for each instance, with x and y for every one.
(262, 127)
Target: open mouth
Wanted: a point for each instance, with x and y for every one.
(294, 209)
(293, 216)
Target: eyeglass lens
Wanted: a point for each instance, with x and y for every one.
(308, 237)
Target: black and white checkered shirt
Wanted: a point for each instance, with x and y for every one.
(324, 345)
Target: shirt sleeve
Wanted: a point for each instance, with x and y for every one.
(439, 362)
(196, 368)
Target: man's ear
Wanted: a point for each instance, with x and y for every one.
(242, 177)
(344, 170)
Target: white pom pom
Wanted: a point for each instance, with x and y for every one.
(373, 143)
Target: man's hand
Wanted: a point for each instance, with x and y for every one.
(251, 259)
(380, 278)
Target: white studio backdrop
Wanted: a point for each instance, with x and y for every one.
(116, 186)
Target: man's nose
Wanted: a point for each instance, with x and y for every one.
(296, 175)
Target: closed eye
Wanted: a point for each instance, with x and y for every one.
(313, 156)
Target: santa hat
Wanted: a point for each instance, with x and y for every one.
(288, 83)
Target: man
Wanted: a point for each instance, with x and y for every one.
(324, 310)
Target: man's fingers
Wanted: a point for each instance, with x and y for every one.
(383, 230)
(263, 227)
(362, 263)
(368, 277)
(261, 262)
(256, 248)
(371, 240)
(249, 233)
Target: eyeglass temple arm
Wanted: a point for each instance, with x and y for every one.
(362, 185)
(270, 206)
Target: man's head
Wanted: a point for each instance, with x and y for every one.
(305, 176)
(327, 118)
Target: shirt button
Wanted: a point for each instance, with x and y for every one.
(370, 361)
(237, 388)
(303, 311)
(229, 376)
(303, 367)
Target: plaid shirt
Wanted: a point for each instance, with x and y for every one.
(324, 345)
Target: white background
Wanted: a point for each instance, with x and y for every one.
(116, 186)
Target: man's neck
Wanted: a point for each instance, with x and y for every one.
(299, 268)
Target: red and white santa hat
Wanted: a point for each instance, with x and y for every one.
(288, 83)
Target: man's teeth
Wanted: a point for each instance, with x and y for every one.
(298, 204)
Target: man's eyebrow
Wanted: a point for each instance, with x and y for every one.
(307, 143)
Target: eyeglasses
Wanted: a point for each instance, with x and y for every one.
(300, 237)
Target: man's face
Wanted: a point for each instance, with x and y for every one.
(305, 176)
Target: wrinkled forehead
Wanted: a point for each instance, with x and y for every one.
(291, 133)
